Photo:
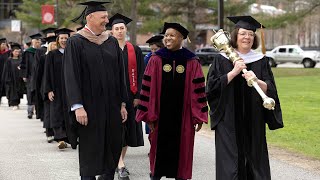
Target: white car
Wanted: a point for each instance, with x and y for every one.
(294, 54)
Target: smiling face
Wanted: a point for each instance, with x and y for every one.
(119, 31)
(63, 40)
(245, 39)
(98, 20)
(172, 39)
(16, 53)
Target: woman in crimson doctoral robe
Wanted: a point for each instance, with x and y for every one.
(236, 111)
(173, 103)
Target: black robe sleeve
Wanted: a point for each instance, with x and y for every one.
(140, 69)
(217, 82)
(6, 78)
(36, 67)
(72, 74)
(23, 64)
(273, 117)
(47, 75)
(71, 88)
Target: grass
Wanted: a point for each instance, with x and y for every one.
(298, 90)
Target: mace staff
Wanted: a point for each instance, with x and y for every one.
(221, 41)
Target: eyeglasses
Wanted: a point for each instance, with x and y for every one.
(250, 34)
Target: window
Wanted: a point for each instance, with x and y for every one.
(293, 50)
(282, 50)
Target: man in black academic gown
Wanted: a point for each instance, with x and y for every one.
(27, 70)
(134, 65)
(96, 93)
(4, 54)
(38, 73)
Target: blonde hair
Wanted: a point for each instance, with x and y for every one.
(51, 47)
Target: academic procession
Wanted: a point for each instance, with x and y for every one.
(85, 102)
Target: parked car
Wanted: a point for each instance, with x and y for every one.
(294, 54)
(145, 50)
(206, 55)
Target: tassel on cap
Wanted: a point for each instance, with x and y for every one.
(188, 39)
(263, 45)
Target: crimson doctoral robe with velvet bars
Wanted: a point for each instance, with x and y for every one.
(173, 97)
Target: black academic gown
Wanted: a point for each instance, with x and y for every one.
(38, 69)
(27, 71)
(133, 129)
(94, 77)
(3, 58)
(238, 118)
(13, 83)
(52, 82)
(44, 96)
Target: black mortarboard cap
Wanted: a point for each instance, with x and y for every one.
(246, 22)
(63, 31)
(93, 6)
(155, 38)
(3, 40)
(36, 36)
(118, 18)
(50, 39)
(177, 27)
(48, 30)
(15, 46)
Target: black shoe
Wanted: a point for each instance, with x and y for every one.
(104, 177)
(29, 116)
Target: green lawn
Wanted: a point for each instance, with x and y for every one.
(299, 95)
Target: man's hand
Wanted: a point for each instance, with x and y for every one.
(124, 114)
(151, 126)
(81, 116)
(51, 96)
(198, 127)
(24, 79)
(136, 102)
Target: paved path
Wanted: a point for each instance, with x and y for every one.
(25, 155)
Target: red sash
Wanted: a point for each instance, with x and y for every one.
(4, 51)
(132, 68)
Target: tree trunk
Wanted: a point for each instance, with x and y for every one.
(133, 27)
(192, 28)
